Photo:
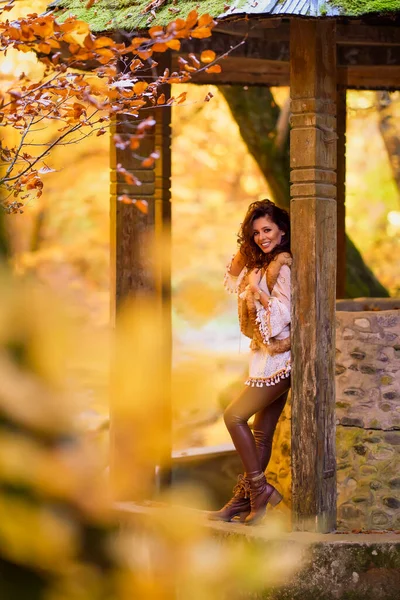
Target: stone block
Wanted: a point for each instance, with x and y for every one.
(367, 477)
(368, 365)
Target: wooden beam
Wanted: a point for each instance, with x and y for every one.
(369, 35)
(370, 77)
(341, 193)
(346, 33)
(247, 72)
(368, 55)
(313, 218)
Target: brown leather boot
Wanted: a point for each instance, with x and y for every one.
(261, 493)
(238, 505)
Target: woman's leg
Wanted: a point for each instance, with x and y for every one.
(251, 401)
(264, 426)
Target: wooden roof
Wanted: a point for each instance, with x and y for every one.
(107, 15)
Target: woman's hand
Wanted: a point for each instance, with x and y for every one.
(254, 279)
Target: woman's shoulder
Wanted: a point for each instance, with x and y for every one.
(280, 260)
(283, 258)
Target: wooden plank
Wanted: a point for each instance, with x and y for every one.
(313, 217)
(369, 77)
(341, 193)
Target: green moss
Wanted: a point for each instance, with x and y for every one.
(362, 7)
(106, 15)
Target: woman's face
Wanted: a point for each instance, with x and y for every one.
(266, 234)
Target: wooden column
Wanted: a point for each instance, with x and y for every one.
(341, 193)
(140, 272)
(313, 219)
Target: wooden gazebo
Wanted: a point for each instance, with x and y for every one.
(320, 48)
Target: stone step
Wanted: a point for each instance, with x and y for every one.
(318, 566)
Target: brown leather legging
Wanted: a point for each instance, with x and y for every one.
(266, 403)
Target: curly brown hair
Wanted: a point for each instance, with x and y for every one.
(253, 254)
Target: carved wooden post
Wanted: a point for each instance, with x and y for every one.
(313, 219)
(137, 272)
(341, 193)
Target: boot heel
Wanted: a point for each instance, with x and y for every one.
(275, 498)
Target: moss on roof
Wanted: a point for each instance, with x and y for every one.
(362, 7)
(128, 14)
(107, 15)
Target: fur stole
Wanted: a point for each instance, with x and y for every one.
(248, 313)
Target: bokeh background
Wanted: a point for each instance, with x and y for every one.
(62, 239)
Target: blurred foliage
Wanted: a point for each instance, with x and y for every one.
(59, 529)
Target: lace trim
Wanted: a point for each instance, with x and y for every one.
(271, 380)
(232, 282)
(263, 320)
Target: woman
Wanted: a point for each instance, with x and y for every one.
(260, 274)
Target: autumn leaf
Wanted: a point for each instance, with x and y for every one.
(201, 33)
(161, 99)
(143, 206)
(195, 61)
(207, 56)
(191, 19)
(214, 69)
(174, 45)
(150, 160)
(160, 47)
(140, 87)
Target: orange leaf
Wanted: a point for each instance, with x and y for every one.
(125, 199)
(44, 47)
(195, 61)
(134, 143)
(90, 3)
(160, 47)
(145, 54)
(205, 20)
(191, 19)
(142, 205)
(140, 87)
(174, 45)
(214, 69)
(161, 99)
(150, 160)
(156, 31)
(201, 32)
(103, 41)
(208, 56)
(135, 64)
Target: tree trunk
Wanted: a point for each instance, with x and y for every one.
(390, 133)
(258, 118)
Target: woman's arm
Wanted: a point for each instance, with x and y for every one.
(235, 271)
(237, 265)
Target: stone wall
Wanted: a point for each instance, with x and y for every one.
(368, 419)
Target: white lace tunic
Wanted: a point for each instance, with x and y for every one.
(265, 367)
